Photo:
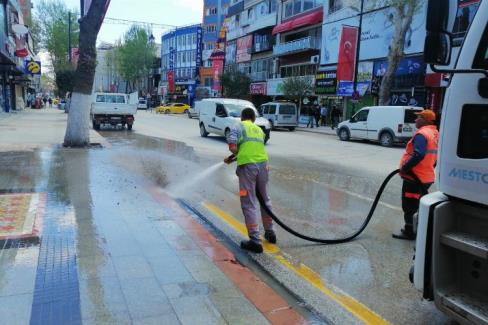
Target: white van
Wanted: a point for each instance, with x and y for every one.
(219, 115)
(386, 124)
(280, 114)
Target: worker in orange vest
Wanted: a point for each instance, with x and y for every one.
(420, 158)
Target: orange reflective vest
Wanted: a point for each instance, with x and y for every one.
(425, 168)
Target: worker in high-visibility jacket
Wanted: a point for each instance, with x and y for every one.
(246, 141)
(420, 158)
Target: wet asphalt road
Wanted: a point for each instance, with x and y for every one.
(319, 186)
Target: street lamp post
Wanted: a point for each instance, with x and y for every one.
(150, 43)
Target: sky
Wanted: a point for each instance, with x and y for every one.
(171, 12)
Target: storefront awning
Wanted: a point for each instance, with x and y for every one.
(306, 20)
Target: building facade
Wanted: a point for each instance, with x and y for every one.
(181, 59)
(15, 54)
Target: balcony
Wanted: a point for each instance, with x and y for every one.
(259, 76)
(262, 22)
(299, 45)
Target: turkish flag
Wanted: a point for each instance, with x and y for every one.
(347, 53)
(171, 81)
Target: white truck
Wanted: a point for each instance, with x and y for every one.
(451, 257)
(113, 109)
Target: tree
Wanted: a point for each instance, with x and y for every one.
(77, 131)
(235, 84)
(50, 29)
(297, 88)
(65, 81)
(134, 56)
(401, 15)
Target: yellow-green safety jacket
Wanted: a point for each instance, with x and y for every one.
(251, 144)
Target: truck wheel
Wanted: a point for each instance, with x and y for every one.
(129, 127)
(344, 134)
(203, 131)
(291, 128)
(386, 139)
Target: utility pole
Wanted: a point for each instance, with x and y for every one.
(358, 46)
(69, 36)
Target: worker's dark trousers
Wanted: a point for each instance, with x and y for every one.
(411, 194)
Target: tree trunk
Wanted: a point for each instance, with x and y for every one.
(402, 19)
(77, 131)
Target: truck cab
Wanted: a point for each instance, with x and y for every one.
(451, 258)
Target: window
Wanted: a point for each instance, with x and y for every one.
(100, 99)
(120, 99)
(220, 111)
(361, 116)
(273, 5)
(481, 59)
(308, 4)
(272, 109)
(213, 11)
(211, 28)
(288, 9)
(297, 6)
(464, 17)
(287, 109)
(265, 109)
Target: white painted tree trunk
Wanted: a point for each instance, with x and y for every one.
(78, 129)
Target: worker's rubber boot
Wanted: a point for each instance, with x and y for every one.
(405, 233)
(270, 236)
(251, 246)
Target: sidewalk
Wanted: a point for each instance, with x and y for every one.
(112, 247)
(320, 130)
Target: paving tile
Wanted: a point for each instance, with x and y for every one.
(132, 267)
(16, 308)
(96, 266)
(121, 318)
(285, 316)
(169, 269)
(18, 267)
(145, 298)
(101, 297)
(197, 310)
(238, 311)
(123, 247)
(201, 268)
(159, 320)
(187, 289)
(91, 246)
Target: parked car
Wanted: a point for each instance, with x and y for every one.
(193, 112)
(386, 124)
(142, 104)
(280, 114)
(219, 115)
(113, 109)
(174, 108)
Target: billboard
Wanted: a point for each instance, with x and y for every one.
(376, 35)
(244, 46)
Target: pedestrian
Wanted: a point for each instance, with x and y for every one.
(310, 117)
(324, 111)
(419, 159)
(336, 116)
(50, 100)
(316, 113)
(44, 100)
(246, 142)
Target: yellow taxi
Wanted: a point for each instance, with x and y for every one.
(175, 108)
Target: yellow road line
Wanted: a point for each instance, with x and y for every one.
(353, 306)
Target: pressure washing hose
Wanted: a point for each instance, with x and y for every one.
(350, 237)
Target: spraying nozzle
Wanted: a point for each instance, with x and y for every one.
(229, 160)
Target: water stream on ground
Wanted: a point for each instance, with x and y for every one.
(178, 189)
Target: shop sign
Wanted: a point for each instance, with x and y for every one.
(199, 48)
(170, 76)
(412, 65)
(274, 87)
(346, 88)
(258, 88)
(326, 83)
(244, 46)
(230, 52)
(172, 55)
(376, 35)
(365, 71)
(32, 67)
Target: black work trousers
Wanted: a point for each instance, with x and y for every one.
(411, 194)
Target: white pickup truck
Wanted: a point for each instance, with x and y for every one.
(113, 109)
